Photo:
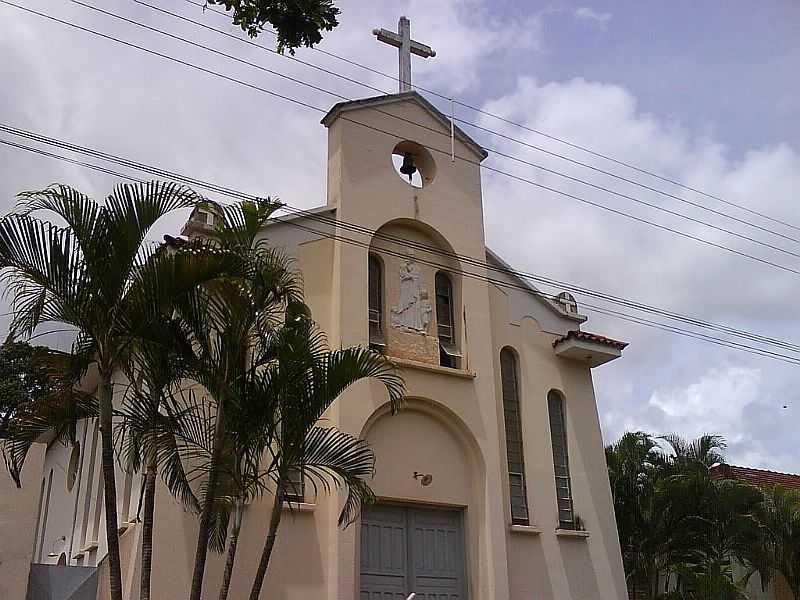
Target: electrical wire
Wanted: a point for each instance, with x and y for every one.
(437, 150)
(457, 120)
(488, 149)
(500, 283)
(340, 223)
(499, 118)
(232, 193)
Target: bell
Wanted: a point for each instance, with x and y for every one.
(408, 168)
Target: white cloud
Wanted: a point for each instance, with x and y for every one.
(585, 13)
(717, 401)
(664, 383)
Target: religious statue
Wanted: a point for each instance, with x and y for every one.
(413, 310)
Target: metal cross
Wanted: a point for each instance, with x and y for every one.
(407, 47)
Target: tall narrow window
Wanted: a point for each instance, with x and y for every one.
(558, 435)
(513, 423)
(375, 315)
(448, 355)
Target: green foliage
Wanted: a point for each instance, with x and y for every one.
(297, 22)
(682, 529)
(23, 379)
(54, 414)
(780, 515)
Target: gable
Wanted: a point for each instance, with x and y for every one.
(536, 301)
(413, 97)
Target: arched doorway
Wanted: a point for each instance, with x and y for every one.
(428, 479)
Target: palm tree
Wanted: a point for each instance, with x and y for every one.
(780, 515)
(225, 323)
(99, 276)
(249, 436)
(305, 379)
(706, 451)
(677, 524)
(717, 528)
(151, 427)
(635, 466)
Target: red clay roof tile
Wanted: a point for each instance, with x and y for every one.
(590, 337)
(758, 477)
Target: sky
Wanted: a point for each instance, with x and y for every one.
(705, 94)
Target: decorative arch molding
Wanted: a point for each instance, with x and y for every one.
(446, 417)
(530, 321)
(448, 257)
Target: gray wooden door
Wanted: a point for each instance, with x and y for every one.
(409, 549)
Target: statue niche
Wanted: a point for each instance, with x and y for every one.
(413, 310)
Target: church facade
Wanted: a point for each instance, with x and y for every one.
(491, 481)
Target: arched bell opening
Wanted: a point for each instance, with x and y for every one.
(414, 164)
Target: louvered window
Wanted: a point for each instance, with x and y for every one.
(513, 424)
(295, 486)
(558, 435)
(375, 315)
(448, 355)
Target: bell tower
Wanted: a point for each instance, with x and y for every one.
(399, 157)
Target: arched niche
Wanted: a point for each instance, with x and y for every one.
(412, 254)
(427, 438)
(426, 242)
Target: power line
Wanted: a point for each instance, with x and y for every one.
(345, 224)
(446, 134)
(601, 310)
(560, 285)
(437, 150)
(494, 116)
(458, 120)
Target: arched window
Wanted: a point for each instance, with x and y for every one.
(558, 436)
(516, 464)
(375, 313)
(448, 354)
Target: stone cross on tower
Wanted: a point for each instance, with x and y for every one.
(407, 47)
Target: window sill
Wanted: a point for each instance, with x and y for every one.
(413, 364)
(526, 529)
(299, 506)
(571, 533)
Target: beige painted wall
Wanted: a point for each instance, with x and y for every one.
(554, 565)
(18, 520)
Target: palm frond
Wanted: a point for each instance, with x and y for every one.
(44, 271)
(331, 457)
(239, 225)
(131, 210)
(55, 416)
(329, 377)
(84, 217)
